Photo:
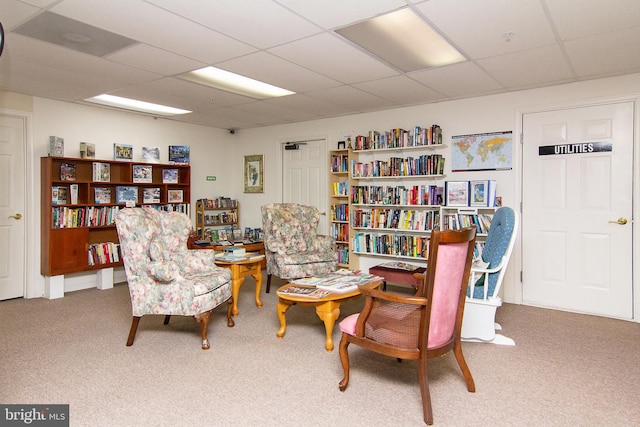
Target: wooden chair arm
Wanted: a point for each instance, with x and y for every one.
(391, 297)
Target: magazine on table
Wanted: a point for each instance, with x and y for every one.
(341, 281)
(304, 291)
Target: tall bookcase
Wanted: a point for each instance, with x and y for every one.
(78, 210)
(339, 204)
(213, 214)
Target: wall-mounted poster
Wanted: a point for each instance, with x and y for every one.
(253, 174)
(482, 152)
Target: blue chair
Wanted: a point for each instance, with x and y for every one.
(483, 297)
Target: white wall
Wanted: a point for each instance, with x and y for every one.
(216, 152)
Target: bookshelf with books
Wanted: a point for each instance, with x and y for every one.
(214, 215)
(396, 189)
(339, 204)
(80, 198)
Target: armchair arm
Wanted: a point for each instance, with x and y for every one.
(484, 277)
(321, 243)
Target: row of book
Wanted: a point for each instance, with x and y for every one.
(218, 219)
(339, 163)
(340, 231)
(219, 202)
(397, 219)
(399, 138)
(341, 188)
(425, 165)
(88, 216)
(400, 245)
(343, 254)
(422, 195)
(457, 221)
(340, 212)
(103, 253)
(480, 192)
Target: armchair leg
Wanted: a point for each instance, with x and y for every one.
(230, 322)
(344, 360)
(268, 282)
(204, 319)
(166, 319)
(132, 331)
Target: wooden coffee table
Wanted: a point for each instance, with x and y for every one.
(240, 269)
(327, 308)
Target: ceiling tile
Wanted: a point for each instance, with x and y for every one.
(278, 71)
(277, 25)
(151, 58)
(352, 98)
(478, 32)
(579, 18)
(531, 68)
(329, 55)
(309, 105)
(464, 79)
(400, 89)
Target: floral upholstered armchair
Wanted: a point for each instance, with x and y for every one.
(292, 246)
(164, 277)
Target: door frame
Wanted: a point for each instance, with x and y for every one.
(31, 244)
(516, 294)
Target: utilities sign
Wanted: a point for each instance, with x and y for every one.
(582, 148)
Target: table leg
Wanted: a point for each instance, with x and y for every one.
(328, 312)
(258, 277)
(281, 309)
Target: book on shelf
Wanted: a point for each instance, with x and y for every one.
(179, 154)
(73, 190)
(56, 146)
(151, 195)
(122, 152)
(87, 150)
(170, 176)
(304, 291)
(142, 173)
(58, 195)
(151, 154)
(475, 193)
(126, 194)
(67, 172)
(101, 172)
(102, 195)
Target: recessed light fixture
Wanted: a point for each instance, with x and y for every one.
(135, 105)
(231, 82)
(404, 40)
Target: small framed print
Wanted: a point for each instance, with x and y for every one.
(479, 193)
(170, 176)
(123, 152)
(175, 196)
(142, 173)
(253, 174)
(456, 193)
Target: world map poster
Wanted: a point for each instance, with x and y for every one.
(483, 151)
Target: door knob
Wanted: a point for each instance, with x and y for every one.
(622, 221)
(16, 216)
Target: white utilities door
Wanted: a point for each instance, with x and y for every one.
(304, 177)
(577, 209)
(12, 206)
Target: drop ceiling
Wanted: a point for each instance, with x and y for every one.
(509, 45)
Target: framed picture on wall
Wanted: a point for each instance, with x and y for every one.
(253, 174)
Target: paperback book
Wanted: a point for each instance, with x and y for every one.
(126, 194)
(101, 172)
(56, 146)
(87, 150)
(179, 154)
(151, 195)
(142, 173)
(151, 154)
(102, 195)
(68, 172)
(122, 152)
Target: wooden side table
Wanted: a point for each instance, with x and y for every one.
(240, 269)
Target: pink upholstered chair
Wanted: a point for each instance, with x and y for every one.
(421, 326)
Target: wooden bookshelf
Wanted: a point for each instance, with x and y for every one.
(71, 228)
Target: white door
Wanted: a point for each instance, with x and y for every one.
(305, 177)
(577, 181)
(12, 206)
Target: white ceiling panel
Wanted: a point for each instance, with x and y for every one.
(292, 44)
(529, 68)
(458, 80)
(479, 31)
(327, 54)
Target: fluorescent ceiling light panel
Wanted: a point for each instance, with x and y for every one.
(231, 82)
(135, 105)
(403, 39)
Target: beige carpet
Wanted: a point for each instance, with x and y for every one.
(566, 369)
